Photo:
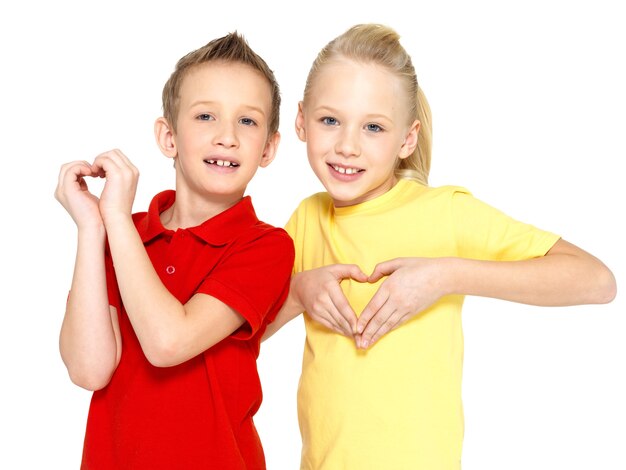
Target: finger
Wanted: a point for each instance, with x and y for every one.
(394, 321)
(104, 164)
(373, 306)
(381, 323)
(331, 325)
(343, 309)
(72, 173)
(349, 271)
(384, 269)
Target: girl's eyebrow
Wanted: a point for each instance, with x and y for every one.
(372, 116)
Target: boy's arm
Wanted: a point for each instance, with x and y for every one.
(90, 342)
(566, 275)
(169, 332)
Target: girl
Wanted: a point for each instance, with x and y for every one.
(417, 251)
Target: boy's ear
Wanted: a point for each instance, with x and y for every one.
(270, 149)
(410, 141)
(166, 140)
(300, 123)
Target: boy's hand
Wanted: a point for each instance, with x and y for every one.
(413, 285)
(319, 293)
(121, 184)
(73, 194)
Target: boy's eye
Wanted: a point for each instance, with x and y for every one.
(247, 121)
(373, 128)
(329, 121)
(205, 117)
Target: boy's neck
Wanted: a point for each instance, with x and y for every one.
(191, 212)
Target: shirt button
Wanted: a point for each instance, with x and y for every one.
(170, 270)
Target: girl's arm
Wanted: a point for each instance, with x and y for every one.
(90, 341)
(318, 292)
(566, 275)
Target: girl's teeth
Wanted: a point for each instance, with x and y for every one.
(345, 171)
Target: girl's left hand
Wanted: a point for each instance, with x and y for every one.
(413, 285)
(121, 184)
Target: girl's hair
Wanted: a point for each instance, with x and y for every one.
(232, 48)
(381, 45)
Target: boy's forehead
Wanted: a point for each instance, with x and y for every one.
(215, 79)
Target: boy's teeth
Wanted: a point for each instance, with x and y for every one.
(221, 163)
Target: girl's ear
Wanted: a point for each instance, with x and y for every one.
(166, 140)
(300, 123)
(410, 141)
(270, 149)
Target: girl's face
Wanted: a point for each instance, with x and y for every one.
(354, 122)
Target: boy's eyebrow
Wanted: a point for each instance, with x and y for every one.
(209, 103)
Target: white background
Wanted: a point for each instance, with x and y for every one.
(529, 107)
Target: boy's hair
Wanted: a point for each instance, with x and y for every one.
(381, 45)
(232, 48)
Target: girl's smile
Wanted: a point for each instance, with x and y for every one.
(356, 127)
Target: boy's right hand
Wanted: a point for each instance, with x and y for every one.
(319, 293)
(73, 194)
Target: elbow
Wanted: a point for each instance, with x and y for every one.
(609, 288)
(605, 287)
(163, 353)
(89, 380)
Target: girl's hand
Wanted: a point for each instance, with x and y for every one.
(413, 285)
(73, 194)
(121, 184)
(318, 291)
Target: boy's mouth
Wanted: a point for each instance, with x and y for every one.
(224, 163)
(345, 170)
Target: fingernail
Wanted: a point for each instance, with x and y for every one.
(365, 344)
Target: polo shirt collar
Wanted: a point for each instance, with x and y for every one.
(218, 230)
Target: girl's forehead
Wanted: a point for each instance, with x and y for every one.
(345, 80)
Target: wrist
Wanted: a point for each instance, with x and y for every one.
(294, 301)
(449, 275)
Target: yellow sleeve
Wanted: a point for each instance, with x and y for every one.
(483, 232)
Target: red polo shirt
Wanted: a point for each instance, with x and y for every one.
(196, 415)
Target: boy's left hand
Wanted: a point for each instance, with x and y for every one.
(413, 285)
(121, 184)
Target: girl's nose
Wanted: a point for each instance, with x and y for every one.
(348, 143)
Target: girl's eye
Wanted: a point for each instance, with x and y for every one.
(205, 117)
(247, 122)
(374, 128)
(329, 121)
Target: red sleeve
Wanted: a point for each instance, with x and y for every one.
(253, 279)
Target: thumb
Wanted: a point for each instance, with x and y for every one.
(384, 269)
(349, 271)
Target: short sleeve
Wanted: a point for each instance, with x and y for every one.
(292, 229)
(483, 232)
(253, 279)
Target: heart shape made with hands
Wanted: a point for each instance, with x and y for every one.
(407, 290)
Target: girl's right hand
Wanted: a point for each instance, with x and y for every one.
(318, 291)
(73, 194)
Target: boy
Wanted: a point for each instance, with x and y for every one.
(167, 307)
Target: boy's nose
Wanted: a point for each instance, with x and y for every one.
(226, 136)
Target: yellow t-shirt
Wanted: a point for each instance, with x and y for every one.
(397, 405)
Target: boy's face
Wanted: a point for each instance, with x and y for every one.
(355, 125)
(222, 130)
